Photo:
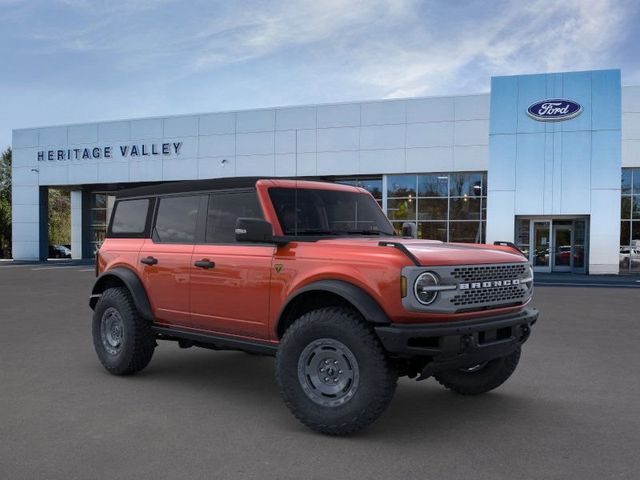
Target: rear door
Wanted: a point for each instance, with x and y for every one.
(165, 259)
(230, 281)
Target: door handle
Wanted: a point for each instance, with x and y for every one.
(149, 260)
(204, 263)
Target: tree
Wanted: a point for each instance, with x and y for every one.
(5, 204)
(59, 216)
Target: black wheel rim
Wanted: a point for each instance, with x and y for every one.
(111, 331)
(328, 372)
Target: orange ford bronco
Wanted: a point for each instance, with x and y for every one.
(314, 274)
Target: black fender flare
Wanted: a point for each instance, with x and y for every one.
(133, 284)
(356, 296)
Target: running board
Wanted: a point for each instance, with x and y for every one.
(214, 341)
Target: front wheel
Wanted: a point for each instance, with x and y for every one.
(332, 372)
(480, 378)
(122, 339)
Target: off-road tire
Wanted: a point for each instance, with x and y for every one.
(377, 377)
(487, 378)
(137, 340)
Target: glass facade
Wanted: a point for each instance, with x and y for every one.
(444, 206)
(630, 221)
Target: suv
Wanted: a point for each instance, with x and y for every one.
(314, 274)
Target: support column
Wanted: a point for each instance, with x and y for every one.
(76, 224)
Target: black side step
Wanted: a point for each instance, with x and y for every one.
(215, 342)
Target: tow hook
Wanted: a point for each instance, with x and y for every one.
(466, 342)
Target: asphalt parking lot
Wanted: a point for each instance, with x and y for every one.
(571, 410)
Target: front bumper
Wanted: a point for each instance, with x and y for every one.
(460, 344)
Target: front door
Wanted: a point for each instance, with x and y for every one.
(165, 258)
(562, 248)
(230, 282)
(540, 255)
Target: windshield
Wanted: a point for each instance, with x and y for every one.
(306, 211)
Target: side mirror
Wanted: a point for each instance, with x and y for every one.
(253, 230)
(409, 230)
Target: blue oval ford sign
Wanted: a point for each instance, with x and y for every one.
(554, 110)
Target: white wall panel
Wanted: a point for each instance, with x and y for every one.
(436, 109)
(26, 250)
(114, 131)
(338, 139)
(24, 176)
(470, 158)
(382, 161)
(306, 141)
(113, 172)
(436, 134)
(337, 163)
(148, 128)
(83, 173)
(285, 165)
(384, 113)
(218, 123)
(179, 168)
(25, 157)
(631, 153)
(631, 126)
(296, 118)
(306, 164)
(286, 141)
(255, 165)
(217, 145)
(53, 173)
(345, 115)
(472, 107)
(471, 132)
(432, 159)
(382, 137)
(500, 215)
(83, 134)
(182, 126)
(24, 195)
(145, 170)
(53, 136)
(259, 143)
(25, 138)
(631, 99)
(255, 121)
(217, 167)
(26, 213)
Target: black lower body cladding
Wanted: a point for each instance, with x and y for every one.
(447, 346)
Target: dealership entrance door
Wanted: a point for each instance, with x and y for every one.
(557, 244)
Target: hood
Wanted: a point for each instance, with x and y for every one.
(432, 252)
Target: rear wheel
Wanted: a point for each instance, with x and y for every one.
(122, 339)
(332, 372)
(480, 378)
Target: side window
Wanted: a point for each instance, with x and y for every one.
(224, 210)
(176, 219)
(130, 217)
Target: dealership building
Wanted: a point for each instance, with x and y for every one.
(550, 162)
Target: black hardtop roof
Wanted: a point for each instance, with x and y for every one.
(187, 186)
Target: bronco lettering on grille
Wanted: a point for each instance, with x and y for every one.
(489, 284)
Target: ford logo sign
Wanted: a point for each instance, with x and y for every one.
(554, 110)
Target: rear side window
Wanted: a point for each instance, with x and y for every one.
(224, 210)
(176, 219)
(130, 217)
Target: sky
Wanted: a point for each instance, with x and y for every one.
(75, 61)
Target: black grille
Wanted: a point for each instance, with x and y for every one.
(490, 295)
(480, 273)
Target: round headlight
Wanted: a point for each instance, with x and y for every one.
(423, 288)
